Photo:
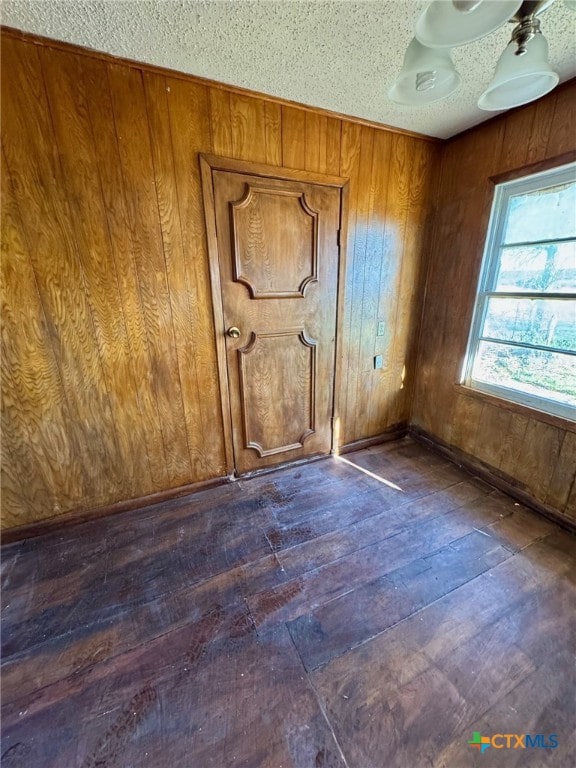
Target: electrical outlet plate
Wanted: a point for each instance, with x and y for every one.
(378, 362)
(380, 330)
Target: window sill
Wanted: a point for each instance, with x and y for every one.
(524, 410)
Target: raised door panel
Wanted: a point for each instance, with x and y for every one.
(275, 240)
(283, 362)
(278, 260)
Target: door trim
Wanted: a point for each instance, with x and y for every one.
(210, 163)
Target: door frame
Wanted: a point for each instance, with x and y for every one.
(210, 163)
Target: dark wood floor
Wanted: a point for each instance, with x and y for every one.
(314, 617)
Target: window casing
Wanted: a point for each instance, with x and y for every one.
(522, 344)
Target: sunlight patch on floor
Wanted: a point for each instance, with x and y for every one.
(370, 474)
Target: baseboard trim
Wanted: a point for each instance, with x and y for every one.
(278, 467)
(471, 464)
(55, 524)
(394, 433)
(486, 473)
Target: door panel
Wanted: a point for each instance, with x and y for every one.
(278, 259)
(278, 362)
(268, 224)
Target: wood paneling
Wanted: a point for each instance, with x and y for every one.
(111, 386)
(391, 182)
(536, 454)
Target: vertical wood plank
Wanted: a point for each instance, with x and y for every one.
(419, 184)
(570, 508)
(114, 199)
(75, 140)
(187, 106)
(512, 442)
(248, 128)
(220, 122)
(24, 482)
(398, 280)
(322, 143)
(364, 199)
(180, 283)
(38, 456)
(517, 130)
(467, 415)
(33, 163)
(380, 276)
(561, 137)
(293, 132)
(273, 132)
(564, 473)
(539, 455)
(333, 139)
(493, 424)
(313, 141)
(541, 125)
(132, 127)
(351, 141)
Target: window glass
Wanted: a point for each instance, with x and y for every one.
(538, 268)
(542, 322)
(543, 214)
(536, 372)
(523, 338)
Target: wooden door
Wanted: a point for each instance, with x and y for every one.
(277, 243)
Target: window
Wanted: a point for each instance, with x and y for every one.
(522, 343)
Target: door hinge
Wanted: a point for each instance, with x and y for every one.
(338, 238)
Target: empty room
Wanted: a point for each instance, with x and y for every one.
(288, 383)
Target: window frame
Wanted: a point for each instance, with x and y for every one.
(487, 284)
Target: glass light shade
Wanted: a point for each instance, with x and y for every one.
(520, 79)
(445, 24)
(465, 6)
(427, 76)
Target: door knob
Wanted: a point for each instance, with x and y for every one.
(233, 332)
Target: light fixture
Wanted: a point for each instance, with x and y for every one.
(522, 75)
(520, 79)
(449, 23)
(427, 75)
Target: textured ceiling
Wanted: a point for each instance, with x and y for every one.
(340, 55)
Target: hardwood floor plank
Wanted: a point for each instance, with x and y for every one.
(137, 578)
(322, 635)
(193, 692)
(520, 529)
(347, 571)
(404, 462)
(90, 644)
(345, 614)
(327, 538)
(552, 691)
(291, 506)
(405, 680)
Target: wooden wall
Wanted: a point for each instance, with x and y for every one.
(536, 454)
(110, 387)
